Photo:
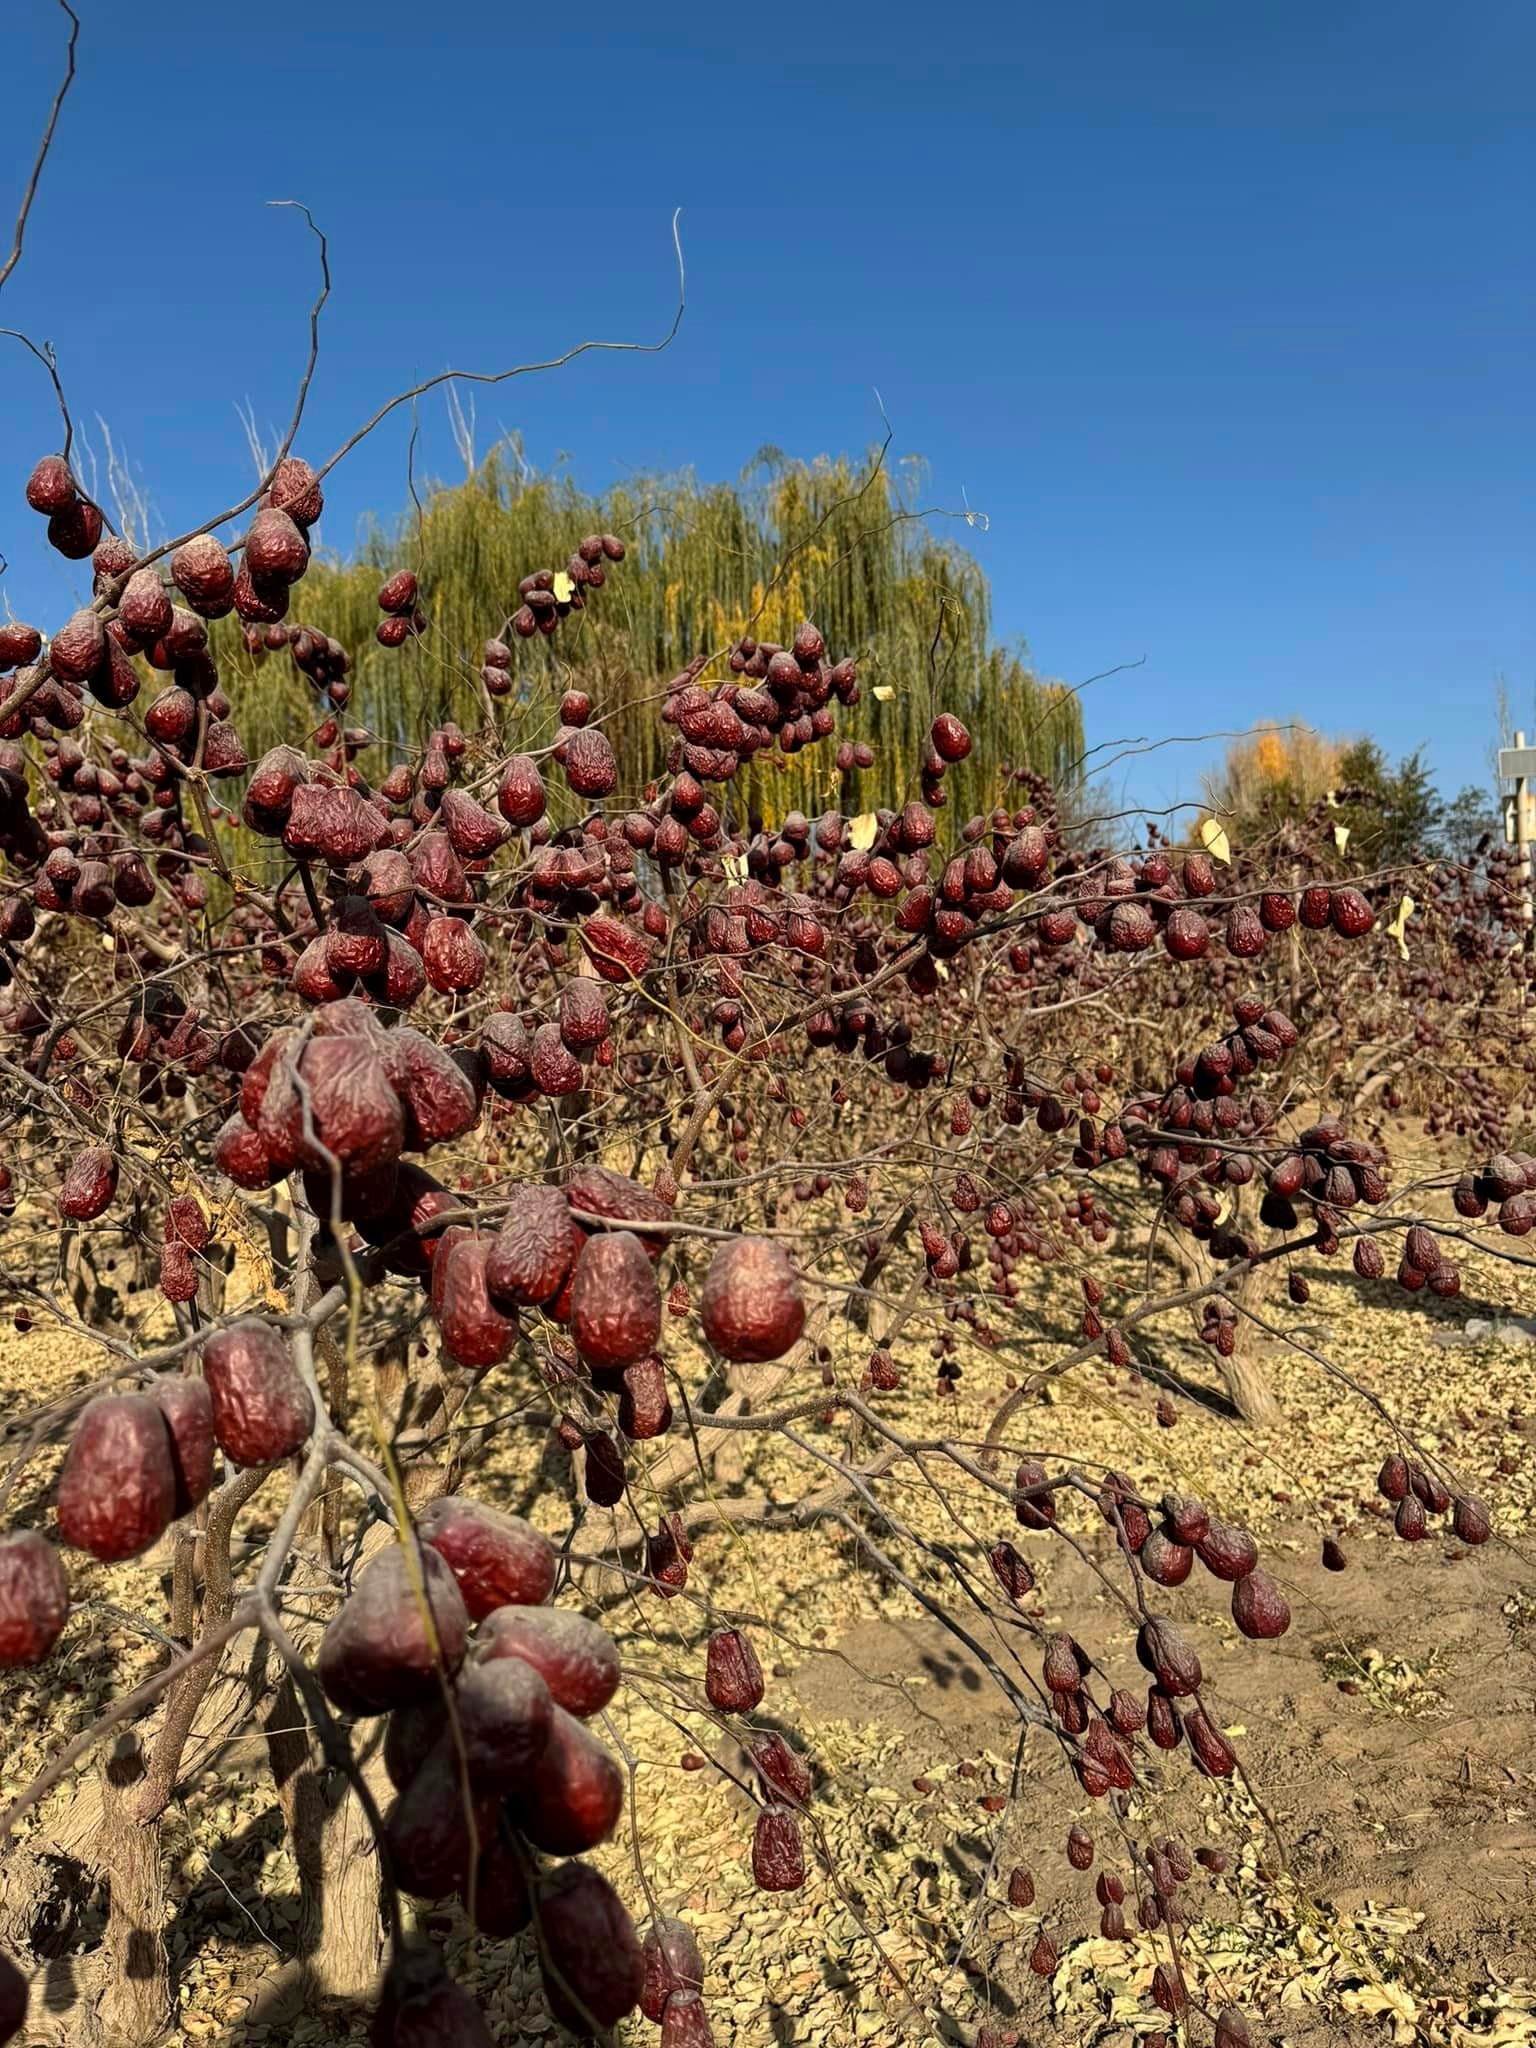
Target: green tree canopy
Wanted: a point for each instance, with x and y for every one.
(790, 540)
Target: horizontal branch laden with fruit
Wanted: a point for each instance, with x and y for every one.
(451, 1087)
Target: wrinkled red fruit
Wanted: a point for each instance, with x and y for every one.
(187, 1406)
(733, 1678)
(1259, 1607)
(778, 1854)
(575, 1797)
(379, 1652)
(534, 1249)
(262, 1410)
(1227, 1553)
(89, 1185)
(421, 2007)
(434, 1834)
(499, 1560)
(782, 1772)
(673, 1963)
(521, 798)
(1470, 1521)
(504, 1712)
(751, 1308)
(1169, 1656)
(589, 1953)
(1213, 1753)
(498, 1901)
(34, 1598)
(117, 1491)
(685, 2024)
(645, 1406)
(1011, 1571)
(475, 1334)
(615, 1302)
(1034, 1503)
(576, 1659)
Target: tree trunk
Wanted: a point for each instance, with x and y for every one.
(338, 1940)
(1248, 1387)
(134, 2007)
(1243, 1374)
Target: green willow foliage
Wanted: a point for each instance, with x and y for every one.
(706, 563)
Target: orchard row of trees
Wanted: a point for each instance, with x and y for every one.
(610, 1055)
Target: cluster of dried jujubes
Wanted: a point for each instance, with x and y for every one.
(546, 930)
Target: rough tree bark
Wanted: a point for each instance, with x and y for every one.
(135, 1999)
(1243, 1376)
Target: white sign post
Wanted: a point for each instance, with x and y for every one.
(1517, 764)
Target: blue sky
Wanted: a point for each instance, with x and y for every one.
(1223, 316)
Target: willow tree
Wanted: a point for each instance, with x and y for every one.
(792, 540)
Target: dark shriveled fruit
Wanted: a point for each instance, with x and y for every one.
(1213, 1753)
(421, 2007)
(504, 1713)
(498, 1560)
(475, 1333)
(89, 1184)
(117, 1491)
(1169, 1656)
(733, 1677)
(262, 1410)
(410, 1736)
(778, 1853)
(576, 1659)
(497, 1899)
(434, 1834)
(1034, 1503)
(783, 1773)
(588, 1950)
(34, 1598)
(685, 2023)
(388, 1645)
(1259, 1607)
(574, 1799)
(615, 1314)
(673, 1963)
(1226, 1552)
(1469, 1520)
(750, 1308)
(187, 1406)
(534, 1249)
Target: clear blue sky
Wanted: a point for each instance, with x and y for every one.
(1222, 315)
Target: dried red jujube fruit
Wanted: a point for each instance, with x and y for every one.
(733, 1677)
(499, 1560)
(577, 1660)
(673, 1963)
(379, 1651)
(262, 1410)
(117, 1489)
(778, 1853)
(751, 1308)
(34, 1598)
(615, 1315)
(589, 1952)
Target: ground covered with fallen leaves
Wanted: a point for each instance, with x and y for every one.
(1384, 1889)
